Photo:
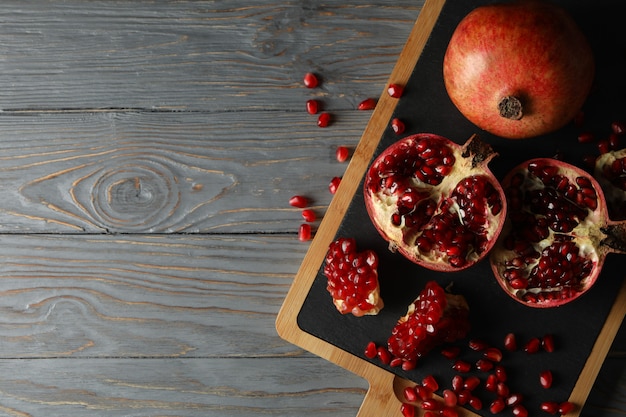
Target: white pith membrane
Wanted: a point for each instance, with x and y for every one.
(384, 206)
(615, 196)
(587, 235)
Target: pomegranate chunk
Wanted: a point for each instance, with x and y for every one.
(353, 278)
(435, 317)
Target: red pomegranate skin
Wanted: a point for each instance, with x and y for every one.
(531, 50)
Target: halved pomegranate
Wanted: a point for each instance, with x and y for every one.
(436, 202)
(556, 236)
(353, 278)
(610, 171)
(434, 318)
(518, 69)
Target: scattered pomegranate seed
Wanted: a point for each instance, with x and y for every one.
(550, 407)
(618, 127)
(497, 406)
(457, 383)
(548, 343)
(312, 106)
(408, 410)
(545, 378)
(299, 201)
(398, 126)
(423, 392)
(342, 153)
(395, 362)
(395, 90)
(510, 342)
(409, 394)
(371, 351)
(462, 366)
(500, 373)
(484, 365)
(514, 399)
(586, 137)
(431, 404)
(384, 355)
(310, 80)
(367, 104)
(304, 233)
(604, 146)
(520, 411)
(477, 345)
(493, 354)
(464, 397)
(475, 403)
(566, 407)
(491, 384)
(449, 398)
(324, 119)
(408, 365)
(502, 389)
(309, 215)
(430, 382)
(334, 184)
(471, 383)
(451, 352)
(533, 345)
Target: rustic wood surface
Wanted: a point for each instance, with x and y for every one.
(147, 153)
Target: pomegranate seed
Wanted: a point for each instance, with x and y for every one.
(449, 398)
(309, 215)
(451, 352)
(310, 80)
(430, 382)
(367, 104)
(457, 383)
(498, 405)
(324, 119)
(471, 383)
(548, 343)
(478, 345)
(448, 412)
(462, 366)
(502, 389)
(585, 137)
(510, 342)
(484, 365)
(312, 106)
(395, 362)
(431, 404)
(533, 345)
(545, 378)
(334, 184)
(566, 407)
(491, 383)
(423, 392)
(493, 354)
(395, 90)
(304, 233)
(550, 407)
(298, 201)
(408, 410)
(409, 394)
(342, 153)
(500, 373)
(371, 350)
(398, 126)
(618, 127)
(604, 146)
(520, 411)
(514, 399)
(464, 396)
(408, 365)
(384, 355)
(475, 403)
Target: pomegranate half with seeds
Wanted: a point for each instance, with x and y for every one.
(518, 69)
(353, 278)
(556, 236)
(435, 201)
(434, 318)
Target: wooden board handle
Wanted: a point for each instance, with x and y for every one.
(383, 396)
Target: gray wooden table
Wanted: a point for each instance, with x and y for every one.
(147, 154)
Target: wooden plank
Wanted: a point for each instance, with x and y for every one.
(189, 55)
(182, 387)
(144, 296)
(166, 172)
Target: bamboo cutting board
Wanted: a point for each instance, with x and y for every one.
(584, 329)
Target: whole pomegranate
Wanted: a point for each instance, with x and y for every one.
(353, 278)
(557, 234)
(435, 201)
(518, 69)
